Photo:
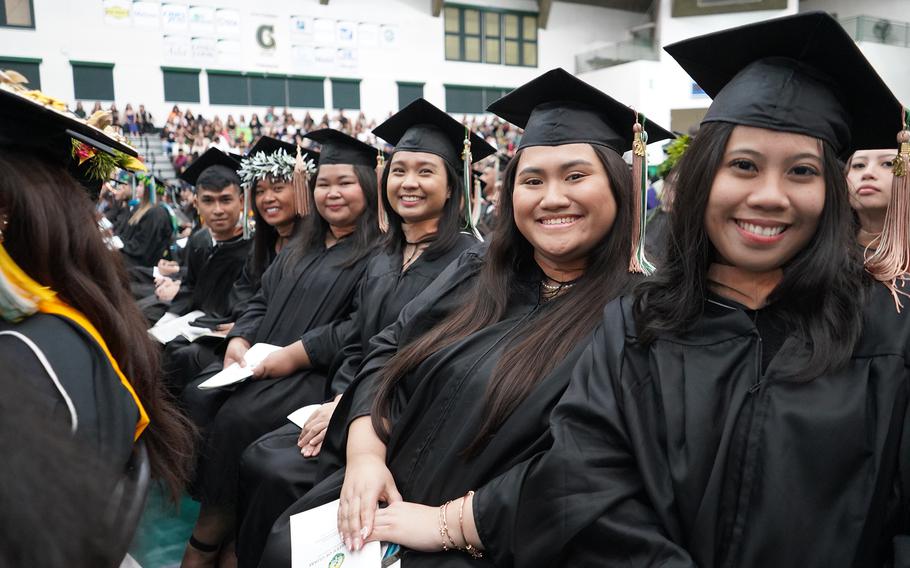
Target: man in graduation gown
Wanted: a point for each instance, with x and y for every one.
(216, 255)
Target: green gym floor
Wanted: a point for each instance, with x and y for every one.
(163, 531)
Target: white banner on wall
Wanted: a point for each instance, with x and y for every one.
(264, 43)
(345, 34)
(324, 31)
(389, 35)
(174, 17)
(176, 47)
(227, 50)
(301, 29)
(203, 48)
(202, 21)
(117, 12)
(346, 58)
(368, 35)
(227, 23)
(146, 14)
(325, 55)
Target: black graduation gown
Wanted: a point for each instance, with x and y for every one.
(312, 297)
(106, 412)
(183, 360)
(211, 271)
(437, 409)
(683, 453)
(149, 239)
(273, 472)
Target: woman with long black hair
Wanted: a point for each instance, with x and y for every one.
(421, 195)
(305, 297)
(748, 405)
(67, 319)
(458, 390)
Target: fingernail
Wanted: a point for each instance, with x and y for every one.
(364, 532)
(357, 544)
(347, 543)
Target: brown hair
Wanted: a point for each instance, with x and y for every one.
(549, 337)
(52, 235)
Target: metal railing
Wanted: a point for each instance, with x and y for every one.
(878, 30)
(616, 54)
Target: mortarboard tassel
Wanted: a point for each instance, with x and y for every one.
(890, 262)
(300, 181)
(246, 212)
(468, 183)
(381, 215)
(475, 204)
(151, 185)
(638, 263)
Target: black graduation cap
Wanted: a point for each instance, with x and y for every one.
(339, 148)
(558, 108)
(26, 123)
(801, 74)
(211, 157)
(421, 127)
(269, 145)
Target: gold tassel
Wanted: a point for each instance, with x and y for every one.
(381, 215)
(246, 212)
(890, 262)
(300, 182)
(467, 161)
(638, 264)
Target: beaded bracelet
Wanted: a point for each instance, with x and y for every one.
(442, 530)
(445, 528)
(468, 547)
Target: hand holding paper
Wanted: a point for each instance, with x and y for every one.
(234, 373)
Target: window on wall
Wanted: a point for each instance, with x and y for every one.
(17, 13)
(264, 89)
(306, 92)
(181, 85)
(471, 100)
(486, 35)
(228, 88)
(28, 67)
(93, 81)
(268, 90)
(408, 93)
(346, 93)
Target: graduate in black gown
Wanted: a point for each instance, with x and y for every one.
(275, 221)
(306, 298)
(748, 405)
(869, 178)
(421, 194)
(68, 324)
(459, 388)
(148, 232)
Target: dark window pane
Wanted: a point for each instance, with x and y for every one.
(92, 82)
(511, 24)
(306, 92)
(346, 94)
(28, 70)
(452, 22)
(491, 51)
(267, 91)
(453, 47)
(472, 49)
(181, 86)
(228, 89)
(472, 22)
(530, 54)
(529, 28)
(408, 93)
(464, 100)
(512, 53)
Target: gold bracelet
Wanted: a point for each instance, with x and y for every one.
(468, 547)
(445, 527)
(442, 531)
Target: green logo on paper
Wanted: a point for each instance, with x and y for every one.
(337, 560)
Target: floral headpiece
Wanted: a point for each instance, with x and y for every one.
(274, 165)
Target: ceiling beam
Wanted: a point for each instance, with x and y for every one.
(543, 8)
(437, 7)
